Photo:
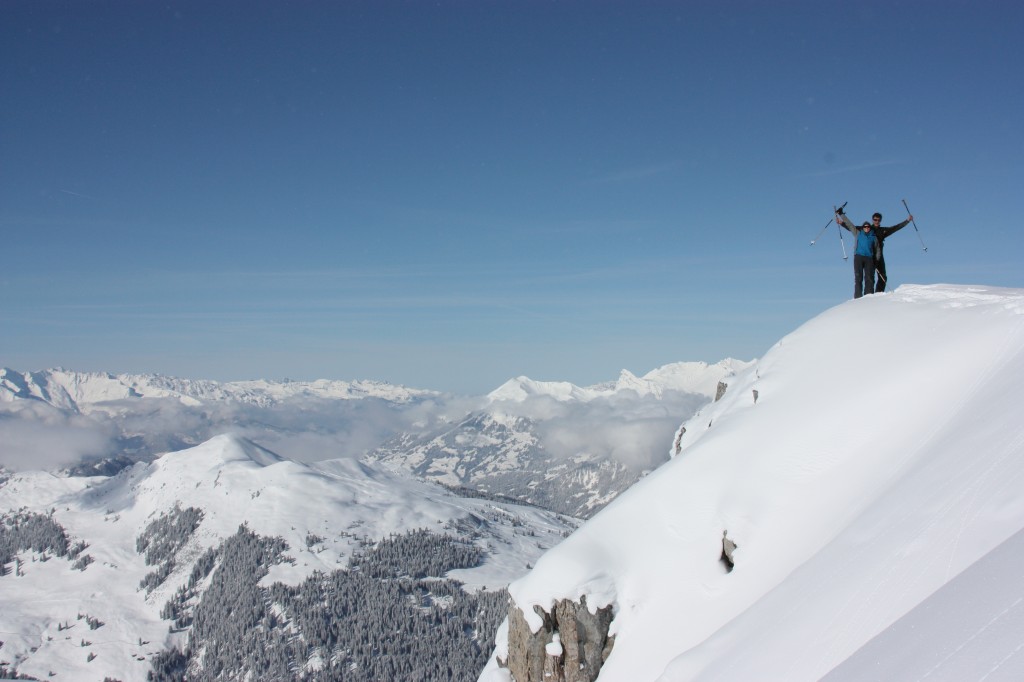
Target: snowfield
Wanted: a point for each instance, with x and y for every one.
(869, 468)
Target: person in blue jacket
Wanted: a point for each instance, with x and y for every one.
(865, 243)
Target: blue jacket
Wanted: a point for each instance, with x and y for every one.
(864, 244)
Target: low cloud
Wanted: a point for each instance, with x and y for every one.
(37, 436)
(631, 429)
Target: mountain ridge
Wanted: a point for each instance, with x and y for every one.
(68, 389)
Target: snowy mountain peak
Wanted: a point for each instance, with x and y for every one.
(686, 377)
(237, 448)
(521, 388)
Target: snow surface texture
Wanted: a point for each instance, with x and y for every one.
(875, 493)
(233, 481)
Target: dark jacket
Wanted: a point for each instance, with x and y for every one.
(880, 233)
(883, 232)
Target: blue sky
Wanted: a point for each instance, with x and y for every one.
(450, 194)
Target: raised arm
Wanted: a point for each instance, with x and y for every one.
(843, 220)
(884, 232)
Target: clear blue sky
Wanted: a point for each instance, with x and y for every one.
(450, 194)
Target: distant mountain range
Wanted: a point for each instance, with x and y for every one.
(553, 444)
(86, 391)
(683, 377)
(563, 447)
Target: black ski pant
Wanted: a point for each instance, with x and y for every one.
(880, 278)
(863, 275)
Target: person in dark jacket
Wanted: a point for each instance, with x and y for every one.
(880, 234)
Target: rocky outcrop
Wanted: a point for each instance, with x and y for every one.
(720, 391)
(728, 547)
(571, 645)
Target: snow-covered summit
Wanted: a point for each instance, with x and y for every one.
(685, 377)
(870, 458)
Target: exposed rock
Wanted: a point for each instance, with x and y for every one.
(720, 391)
(728, 547)
(677, 447)
(571, 645)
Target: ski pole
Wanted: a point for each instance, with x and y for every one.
(915, 224)
(838, 227)
(822, 231)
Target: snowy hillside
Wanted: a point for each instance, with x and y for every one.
(870, 471)
(148, 529)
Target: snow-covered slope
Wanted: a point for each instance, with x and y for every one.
(869, 468)
(322, 512)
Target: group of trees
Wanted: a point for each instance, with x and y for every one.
(390, 615)
(30, 531)
(161, 540)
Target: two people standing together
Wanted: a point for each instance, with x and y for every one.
(868, 254)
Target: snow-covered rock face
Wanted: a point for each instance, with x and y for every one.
(871, 457)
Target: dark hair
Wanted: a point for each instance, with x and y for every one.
(877, 215)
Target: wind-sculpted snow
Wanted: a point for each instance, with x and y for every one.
(882, 457)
